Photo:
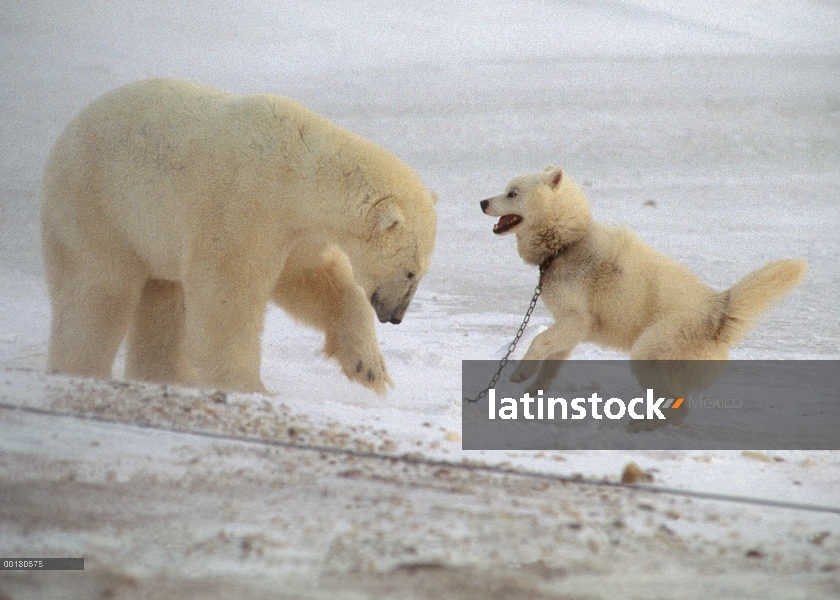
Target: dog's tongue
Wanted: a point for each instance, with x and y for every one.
(505, 221)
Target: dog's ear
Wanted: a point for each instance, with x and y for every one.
(555, 177)
(434, 197)
(549, 168)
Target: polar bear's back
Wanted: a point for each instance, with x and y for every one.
(136, 166)
(119, 175)
(165, 125)
(193, 136)
(146, 166)
(155, 117)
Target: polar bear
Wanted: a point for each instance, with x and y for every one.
(172, 212)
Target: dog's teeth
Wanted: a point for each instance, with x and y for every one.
(506, 222)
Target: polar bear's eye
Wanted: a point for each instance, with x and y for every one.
(512, 194)
(410, 275)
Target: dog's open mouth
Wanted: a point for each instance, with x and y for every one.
(507, 223)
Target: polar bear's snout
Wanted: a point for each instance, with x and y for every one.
(383, 313)
(392, 312)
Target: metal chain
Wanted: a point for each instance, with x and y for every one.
(502, 363)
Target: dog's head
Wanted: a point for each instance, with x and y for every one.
(545, 210)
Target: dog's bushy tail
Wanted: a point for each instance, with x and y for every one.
(746, 300)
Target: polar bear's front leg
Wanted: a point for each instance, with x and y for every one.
(352, 341)
(318, 288)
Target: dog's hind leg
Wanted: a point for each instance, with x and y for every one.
(675, 357)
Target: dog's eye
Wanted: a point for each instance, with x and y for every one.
(410, 275)
(512, 194)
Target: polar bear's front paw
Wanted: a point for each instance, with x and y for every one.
(525, 370)
(369, 370)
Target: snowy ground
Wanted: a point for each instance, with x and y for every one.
(728, 118)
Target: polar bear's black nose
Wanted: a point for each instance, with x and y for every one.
(395, 320)
(484, 204)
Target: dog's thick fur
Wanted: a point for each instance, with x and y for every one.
(608, 287)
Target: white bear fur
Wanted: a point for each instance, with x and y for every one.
(174, 212)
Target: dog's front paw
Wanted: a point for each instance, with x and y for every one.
(536, 388)
(525, 370)
(368, 369)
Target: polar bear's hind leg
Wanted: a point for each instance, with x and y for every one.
(92, 304)
(156, 349)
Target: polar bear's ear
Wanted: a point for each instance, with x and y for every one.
(549, 168)
(388, 216)
(555, 177)
(434, 197)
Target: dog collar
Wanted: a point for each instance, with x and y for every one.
(546, 264)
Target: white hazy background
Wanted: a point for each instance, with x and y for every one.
(726, 115)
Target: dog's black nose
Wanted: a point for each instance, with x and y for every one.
(395, 321)
(484, 204)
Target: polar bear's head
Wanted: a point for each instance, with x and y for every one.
(397, 250)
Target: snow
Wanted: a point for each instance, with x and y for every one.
(726, 115)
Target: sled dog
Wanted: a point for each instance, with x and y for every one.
(605, 285)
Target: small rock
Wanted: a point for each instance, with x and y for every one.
(453, 436)
(756, 455)
(818, 539)
(634, 474)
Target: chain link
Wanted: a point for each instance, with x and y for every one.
(512, 346)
